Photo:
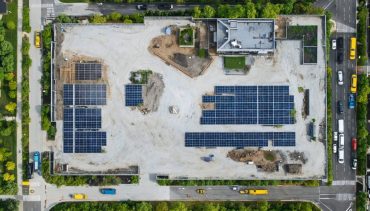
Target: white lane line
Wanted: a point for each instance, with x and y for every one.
(328, 4)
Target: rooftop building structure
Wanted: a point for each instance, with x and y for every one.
(244, 36)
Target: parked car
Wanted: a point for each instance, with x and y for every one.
(142, 7)
(79, 196)
(351, 101)
(340, 77)
(335, 136)
(165, 6)
(354, 144)
(334, 148)
(354, 83)
(354, 164)
(334, 44)
(29, 171)
(340, 43)
(340, 107)
(340, 58)
(108, 191)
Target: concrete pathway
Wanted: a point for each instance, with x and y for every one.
(19, 101)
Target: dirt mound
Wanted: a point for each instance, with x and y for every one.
(152, 93)
(265, 160)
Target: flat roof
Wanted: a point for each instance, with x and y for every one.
(245, 35)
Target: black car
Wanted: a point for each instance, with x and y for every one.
(165, 6)
(340, 58)
(29, 171)
(340, 43)
(340, 107)
(142, 7)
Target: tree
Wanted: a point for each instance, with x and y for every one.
(161, 206)
(45, 123)
(178, 206)
(115, 16)
(236, 11)
(7, 131)
(12, 85)
(250, 9)
(8, 177)
(5, 48)
(143, 206)
(8, 62)
(99, 19)
(10, 25)
(271, 10)
(223, 11)
(10, 166)
(127, 21)
(287, 6)
(10, 107)
(9, 76)
(363, 88)
(197, 12)
(209, 12)
(263, 205)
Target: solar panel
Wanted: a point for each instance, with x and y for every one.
(89, 141)
(68, 90)
(133, 95)
(267, 105)
(239, 139)
(88, 118)
(90, 94)
(88, 71)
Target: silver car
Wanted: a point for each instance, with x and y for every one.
(334, 148)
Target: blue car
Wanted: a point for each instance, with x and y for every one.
(351, 101)
(108, 191)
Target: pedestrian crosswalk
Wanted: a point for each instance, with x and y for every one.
(344, 182)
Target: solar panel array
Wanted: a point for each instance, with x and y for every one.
(80, 135)
(84, 94)
(88, 71)
(269, 105)
(81, 125)
(240, 139)
(133, 95)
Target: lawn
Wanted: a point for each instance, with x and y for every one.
(11, 35)
(310, 55)
(308, 33)
(234, 62)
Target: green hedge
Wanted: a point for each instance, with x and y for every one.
(361, 201)
(361, 35)
(362, 133)
(166, 182)
(329, 126)
(26, 64)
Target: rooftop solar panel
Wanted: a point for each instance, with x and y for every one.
(267, 105)
(239, 139)
(133, 95)
(88, 71)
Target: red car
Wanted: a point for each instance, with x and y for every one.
(354, 144)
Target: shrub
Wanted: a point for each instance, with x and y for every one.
(10, 25)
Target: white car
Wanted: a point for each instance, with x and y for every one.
(334, 44)
(334, 148)
(335, 136)
(340, 77)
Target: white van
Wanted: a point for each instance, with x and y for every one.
(341, 155)
(340, 125)
(341, 140)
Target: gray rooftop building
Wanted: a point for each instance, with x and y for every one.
(242, 36)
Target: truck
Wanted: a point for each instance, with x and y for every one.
(254, 192)
(108, 191)
(36, 161)
(79, 196)
(340, 125)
